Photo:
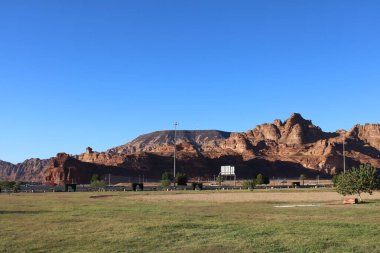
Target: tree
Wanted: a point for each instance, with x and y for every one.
(249, 184)
(357, 181)
(95, 177)
(165, 183)
(16, 187)
(97, 182)
(7, 185)
(181, 178)
(303, 177)
(261, 179)
(219, 179)
(334, 180)
(167, 176)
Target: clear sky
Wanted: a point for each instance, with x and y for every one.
(99, 73)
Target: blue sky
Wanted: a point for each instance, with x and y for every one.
(99, 73)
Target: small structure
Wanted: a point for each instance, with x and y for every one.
(228, 170)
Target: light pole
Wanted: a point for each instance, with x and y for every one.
(175, 148)
(344, 155)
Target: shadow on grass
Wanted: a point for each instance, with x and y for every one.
(22, 212)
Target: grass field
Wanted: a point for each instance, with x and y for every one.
(236, 221)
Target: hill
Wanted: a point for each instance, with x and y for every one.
(277, 149)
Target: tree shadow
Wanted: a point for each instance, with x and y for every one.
(23, 212)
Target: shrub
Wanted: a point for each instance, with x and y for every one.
(137, 186)
(181, 178)
(261, 179)
(167, 176)
(197, 186)
(249, 184)
(296, 184)
(165, 183)
(220, 179)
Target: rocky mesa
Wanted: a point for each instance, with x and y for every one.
(280, 149)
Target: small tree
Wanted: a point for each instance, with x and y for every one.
(16, 187)
(249, 184)
(95, 177)
(334, 180)
(261, 179)
(167, 176)
(7, 185)
(97, 182)
(181, 178)
(165, 183)
(357, 181)
(303, 177)
(219, 179)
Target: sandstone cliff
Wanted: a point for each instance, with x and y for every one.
(277, 149)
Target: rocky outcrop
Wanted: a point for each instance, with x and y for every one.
(29, 170)
(66, 169)
(369, 134)
(279, 148)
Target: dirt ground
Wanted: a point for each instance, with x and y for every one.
(254, 196)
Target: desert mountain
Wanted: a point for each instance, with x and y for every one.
(277, 149)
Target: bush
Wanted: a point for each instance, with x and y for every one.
(16, 187)
(165, 183)
(98, 184)
(249, 184)
(261, 179)
(181, 178)
(220, 179)
(335, 180)
(167, 176)
(296, 184)
(197, 186)
(137, 186)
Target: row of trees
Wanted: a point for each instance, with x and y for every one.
(258, 180)
(10, 186)
(167, 178)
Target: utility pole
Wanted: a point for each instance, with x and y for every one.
(175, 148)
(344, 156)
(109, 179)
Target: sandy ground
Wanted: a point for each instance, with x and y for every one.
(253, 197)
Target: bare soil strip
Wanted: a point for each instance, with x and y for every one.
(219, 197)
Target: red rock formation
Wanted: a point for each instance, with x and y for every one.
(278, 148)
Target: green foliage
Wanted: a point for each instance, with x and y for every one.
(181, 178)
(95, 178)
(16, 187)
(197, 186)
(167, 176)
(137, 186)
(8, 185)
(165, 183)
(303, 178)
(261, 179)
(334, 180)
(219, 179)
(249, 184)
(98, 184)
(296, 184)
(357, 181)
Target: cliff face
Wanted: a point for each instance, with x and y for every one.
(29, 170)
(276, 149)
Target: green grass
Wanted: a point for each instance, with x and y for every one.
(73, 222)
